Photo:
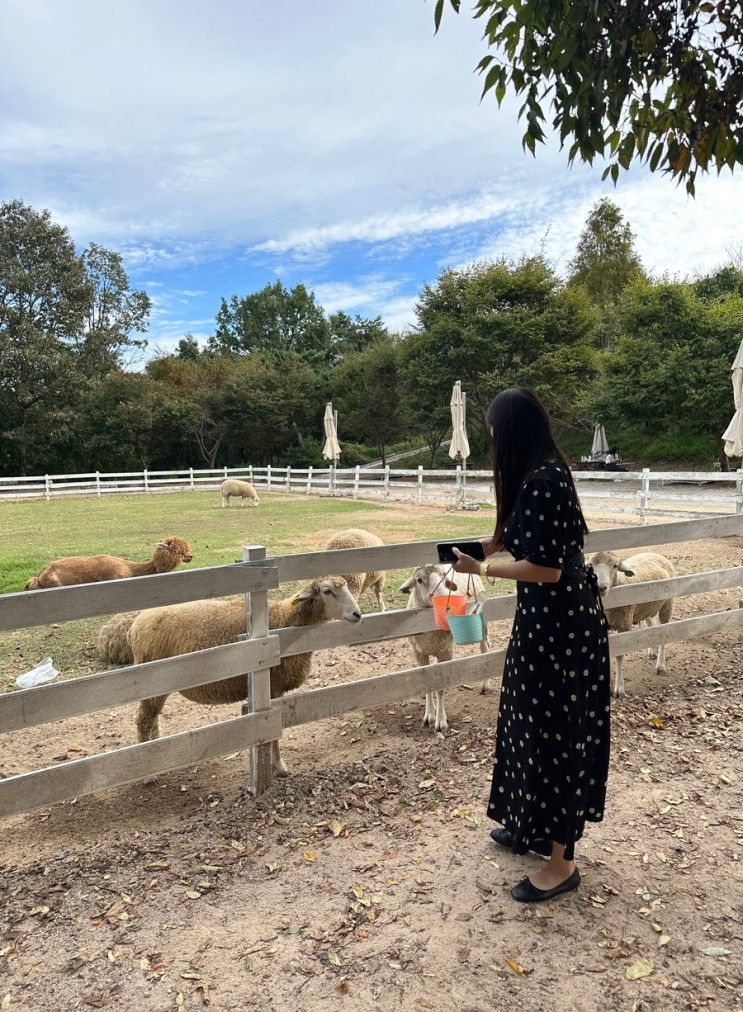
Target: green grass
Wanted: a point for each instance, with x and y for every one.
(34, 532)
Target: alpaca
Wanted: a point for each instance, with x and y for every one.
(94, 568)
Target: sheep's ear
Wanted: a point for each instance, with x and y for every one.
(305, 595)
(623, 569)
(406, 587)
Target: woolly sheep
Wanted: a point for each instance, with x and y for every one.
(113, 643)
(423, 584)
(358, 583)
(644, 567)
(95, 568)
(197, 625)
(241, 490)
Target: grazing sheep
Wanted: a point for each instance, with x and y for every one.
(358, 583)
(423, 585)
(95, 568)
(241, 490)
(641, 568)
(196, 625)
(113, 644)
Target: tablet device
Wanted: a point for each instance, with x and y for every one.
(472, 548)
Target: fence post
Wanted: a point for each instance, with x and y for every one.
(98, 483)
(309, 479)
(739, 491)
(420, 482)
(356, 476)
(250, 473)
(387, 481)
(190, 478)
(47, 487)
(644, 493)
(268, 477)
(259, 682)
(146, 485)
(288, 477)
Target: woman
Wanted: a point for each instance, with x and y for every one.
(552, 741)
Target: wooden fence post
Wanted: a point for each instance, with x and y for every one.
(644, 493)
(309, 479)
(259, 682)
(288, 478)
(268, 477)
(250, 473)
(190, 478)
(146, 484)
(98, 483)
(420, 482)
(739, 491)
(356, 476)
(387, 482)
(47, 487)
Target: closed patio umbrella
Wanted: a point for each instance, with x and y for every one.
(733, 434)
(600, 446)
(459, 448)
(332, 449)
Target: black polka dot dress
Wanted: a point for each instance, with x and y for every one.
(552, 743)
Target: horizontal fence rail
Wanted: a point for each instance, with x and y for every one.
(640, 491)
(23, 709)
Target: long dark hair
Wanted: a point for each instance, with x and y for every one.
(522, 440)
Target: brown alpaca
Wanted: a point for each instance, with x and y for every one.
(94, 568)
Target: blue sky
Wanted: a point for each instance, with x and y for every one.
(221, 145)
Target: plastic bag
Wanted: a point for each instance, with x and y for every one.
(44, 672)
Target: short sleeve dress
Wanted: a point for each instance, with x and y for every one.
(552, 741)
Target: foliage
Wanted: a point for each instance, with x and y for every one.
(605, 261)
(658, 81)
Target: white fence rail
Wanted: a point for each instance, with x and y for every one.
(634, 491)
(263, 718)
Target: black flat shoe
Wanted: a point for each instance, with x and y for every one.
(527, 892)
(505, 839)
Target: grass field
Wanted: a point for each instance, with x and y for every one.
(32, 533)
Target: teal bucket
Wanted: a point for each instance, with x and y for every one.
(467, 628)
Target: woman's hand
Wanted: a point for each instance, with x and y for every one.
(490, 546)
(465, 563)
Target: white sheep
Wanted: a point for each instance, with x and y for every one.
(241, 490)
(423, 585)
(358, 583)
(643, 567)
(196, 625)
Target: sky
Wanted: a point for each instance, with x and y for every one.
(220, 146)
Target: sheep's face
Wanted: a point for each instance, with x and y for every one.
(606, 566)
(170, 552)
(425, 583)
(335, 599)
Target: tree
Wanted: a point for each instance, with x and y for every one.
(114, 313)
(605, 261)
(44, 295)
(427, 384)
(274, 321)
(349, 335)
(656, 80)
(367, 390)
(188, 348)
(725, 281)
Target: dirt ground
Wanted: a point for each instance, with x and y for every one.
(367, 879)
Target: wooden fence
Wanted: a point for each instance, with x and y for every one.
(640, 491)
(263, 719)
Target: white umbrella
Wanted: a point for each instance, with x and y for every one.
(600, 446)
(332, 448)
(733, 434)
(460, 447)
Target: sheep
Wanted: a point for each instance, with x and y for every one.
(241, 490)
(641, 568)
(196, 625)
(423, 584)
(95, 568)
(113, 643)
(358, 583)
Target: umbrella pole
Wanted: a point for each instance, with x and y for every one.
(335, 459)
(464, 459)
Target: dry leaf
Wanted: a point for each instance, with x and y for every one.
(656, 721)
(642, 968)
(310, 856)
(516, 966)
(5, 1003)
(358, 891)
(343, 986)
(193, 895)
(336, 828)
(716, 950)
(416, 818)
(335, 959)
(191, 975)
(663, 940)
(271, 868)
(239, 847)
(145, 964)
(180, 1000)
(425, 784)
(111, 957)
(157, 866)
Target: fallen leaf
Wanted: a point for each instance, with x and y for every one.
(111, 957)
(191, 975)
(416, 818)
(335, 959)
(656, 721)
(145, 964)
(642, 968)
(271, 868)
(157, 866)
(425, 784)
(516, 966)
(193, 894)
(336, 828)
(310, 856)
(180, 1000)
(343, 986)
(239, 847)
(716, 950)
(663, 940)
(358, 891)
(5, 1003)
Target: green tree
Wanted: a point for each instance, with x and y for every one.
(605, 260)
(44, 295)
(349, 335)
(188, 347)
(427, 380)
(274, 321)
(725, 281)
(367, 390)
(114, 314)
(654, 80)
